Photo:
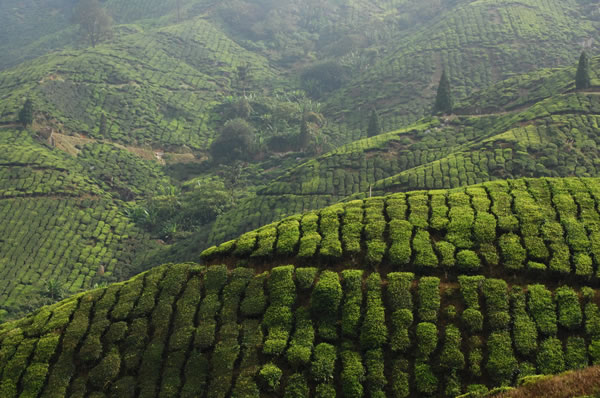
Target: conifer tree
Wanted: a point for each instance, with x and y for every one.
(374, 127)
(582, 78)
(26, 114)
(443, 99)
(103, 126)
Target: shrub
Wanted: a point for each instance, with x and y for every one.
(305, 277)
(351, 309)
(583, 265)
(542, 309)
(569, 309)
(592, 320)
(270, 375)
(326, 298)
(373, 332)
(296, 387)
(376, 380)
(425, 380)
(352, 227)
(325, 391)
(452, 356)
(330, 225)
(468, 259)
(424, 254)
(236, 141)
(513, 253)
(288, 236)
(353, 374)
(401, 322)
(501, 360)
(496, 299)
(266, 240)
(446, 252)
(400, 380)
(550, 357)
(429, 298)
(323, 364)
(469, 287)
(473, 320)
(400, 234)
(576, 354)
(398, 290)
(255, 301)
(427, 339)
(484, 228)
(525, 334)
(107, 370)
(594, 351)
(300, 348)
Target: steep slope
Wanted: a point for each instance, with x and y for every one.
(341, 320)
(61, 232)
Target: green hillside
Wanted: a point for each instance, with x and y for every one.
(61, 231)
(551, 132)
(478, 43)
(426, 293)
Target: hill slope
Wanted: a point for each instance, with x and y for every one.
(61, 229)
(342, 319)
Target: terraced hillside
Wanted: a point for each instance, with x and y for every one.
(434, 293)
(61, 232)
(478, 43)
(549, 131)
(153, 87)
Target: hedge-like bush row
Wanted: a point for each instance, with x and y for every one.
(186, 330)
(525, 226)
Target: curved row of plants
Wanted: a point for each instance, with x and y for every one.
(187, 331)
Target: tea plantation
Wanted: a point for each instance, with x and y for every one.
(188, 331)
(554, 136)
(61, 232)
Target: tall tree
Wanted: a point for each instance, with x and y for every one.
(95, 23)
(26, 113)
(443, 99)
(374, 127)
(582, 78)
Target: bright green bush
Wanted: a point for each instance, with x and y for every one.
(576, 353)
(427, 339)
(373, 333)
(446, 252)
(325, 301)
(542, 309)
(473, 320)
(468, 260)
(424, 255)
(400, 381)
(550, 357)
(399, 295)
(569, 309)
(401, 322)
(353, 374)
(501, 360)
(375, 378)
(323, 363)
(451, 356)
(300, 349)
(288, 236)
(270, 375)
(107, 370)
(469, 288)
(400, 234)
(353, 298)
(513, 253)
(496, 299)
(429, 298)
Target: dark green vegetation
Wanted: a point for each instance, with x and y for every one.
(187, 331)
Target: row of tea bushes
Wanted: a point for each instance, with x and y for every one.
(186, 330)
(534, 226)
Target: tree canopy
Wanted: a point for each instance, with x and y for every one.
(95, 23)
(236, 142)
(582, 78)
(26, 113)
(443, 99)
